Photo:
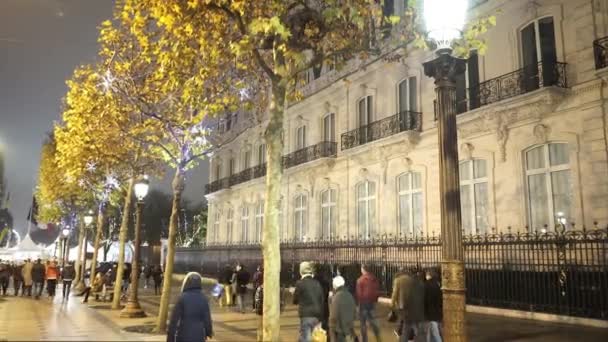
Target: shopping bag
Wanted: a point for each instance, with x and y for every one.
(217, 290)
(319, 335)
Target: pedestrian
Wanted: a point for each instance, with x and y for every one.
(408, 302)
(226, 281)
(18, 279)
(157, 276)
(52, 274)
(242, 279)
(147, 275)
(191, 316)
(67, 276)
(5, 274)
(96, 287)
(38, 276)
(433, 307)
(367, 292)
(26, 272)
(258, 278)
(342, 312)
(126, 279)
(325, 282)
(308, 296)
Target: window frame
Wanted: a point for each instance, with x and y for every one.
(300, 137)
(229, 224)
(332, 206)
(366, 199)
(331, 118)
(408, 83)
(472, 182)
(259, 221)
(217, 220)
(410, 192)
(244, 223)
(300, 210)
(262, 154)
(369, 108)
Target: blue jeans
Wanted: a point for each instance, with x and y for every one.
(418, 329)
(307, 325)
(367, 313)
(38, 286)
(432, 332)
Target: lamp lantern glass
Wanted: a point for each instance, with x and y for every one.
(141, 188)
(444, 20)
(88, 218)
(65, 232)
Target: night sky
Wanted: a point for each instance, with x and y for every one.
(41, 42)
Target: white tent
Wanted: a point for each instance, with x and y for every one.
(28, 249)
(73, 253)
(113, 251)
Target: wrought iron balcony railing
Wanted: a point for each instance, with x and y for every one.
(238, 178)
(600, 52)
(401, 122)
(323, 149)
(217, 185)
(515, 83)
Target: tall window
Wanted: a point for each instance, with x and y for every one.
(244, 223)
(301, 137)
(231, 167)
(259, 220)
(538, 45)
(216, 225)
(229, 224)
(262, 154)
(549, 185)
(408, 95)
(218, 171)
(329, 127)
(474, 196)
(329, 214)
(299, 214)
(246, 159)
(410, 203)
(365, 110)
(468, 80)
(366, 208)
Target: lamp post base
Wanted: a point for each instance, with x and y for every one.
(132, 310)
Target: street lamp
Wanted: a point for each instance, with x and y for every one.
(444, 21)
(88, 220)
(133, 309)
(65, 233)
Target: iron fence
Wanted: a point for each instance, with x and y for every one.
(323, 149)
(600, 52)
(400, 122)
(563, 272)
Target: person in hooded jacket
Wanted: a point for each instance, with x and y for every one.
(67, 276)
(191, 316)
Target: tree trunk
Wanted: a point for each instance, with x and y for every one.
(79, 257)
(101, 217)
(80, 286)
(124, 227)
(178, 188)
(271, 247)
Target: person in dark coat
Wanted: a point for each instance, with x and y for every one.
(18, 279)
(157, 276)
(191, 316)
(342, 313)
(38, 277)
(408, 302)
(324, 281)
(5, 275)
(242, 279)
(67, 276)
(433, 306)
(308, 296)
(258, 279)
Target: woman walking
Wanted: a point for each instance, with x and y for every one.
(52, 274)
(191, 317)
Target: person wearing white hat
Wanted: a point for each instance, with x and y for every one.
(342, 312)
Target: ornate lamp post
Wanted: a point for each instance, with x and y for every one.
(444, 21)
(133, 309)
(65, 233)
(88, 220)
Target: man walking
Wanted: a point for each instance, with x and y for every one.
(309, 298)
(18, 279)
(342, 313)
(38, 272)
(242, 279)
(4, 276)
(258, 279)
(408, 302)
(368, 291)
(67, 276)
(433, 306)
(26, 272)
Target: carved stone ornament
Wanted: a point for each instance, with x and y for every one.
(502, 135)
(466, 151)
(364, 173)
(325, 182)
(541, 133)
(311, 181)
(327, 106)
(408, 164)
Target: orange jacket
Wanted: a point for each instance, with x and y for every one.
(52, 272)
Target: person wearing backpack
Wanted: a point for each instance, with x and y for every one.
(367, 292)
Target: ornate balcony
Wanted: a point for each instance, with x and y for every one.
(217, 185)
(241, 177)
(323, 149)
(600, 52)
(401, 122)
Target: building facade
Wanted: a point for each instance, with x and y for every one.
(361, 147)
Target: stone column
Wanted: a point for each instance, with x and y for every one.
(133, 309)
(444, 69)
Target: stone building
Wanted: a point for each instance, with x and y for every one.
(361, 149)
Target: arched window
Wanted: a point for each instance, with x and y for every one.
(329, 127)
(229, 224)
(299, 217)
(409, 192)
(329, 213)
(366, 208)
(474, 196)
(548, 185)
(259, 220)
(244, 223)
